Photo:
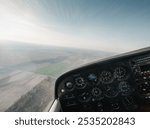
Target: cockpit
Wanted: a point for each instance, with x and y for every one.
(120, 83)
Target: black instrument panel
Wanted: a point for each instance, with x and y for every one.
(120, 83)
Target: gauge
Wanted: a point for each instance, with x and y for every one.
(111, 91)
(84, 97)
(92, 77)
(106, 77)
(96, 92)
(80, 83)
(124, 88)
(69, 85)
(120, 73)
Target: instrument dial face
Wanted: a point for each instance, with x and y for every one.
(92, 77)
(106, 77)
(80, 83)
(111, 91)
(69, 85)
(120, 73)
(96, 92)
(124, 88)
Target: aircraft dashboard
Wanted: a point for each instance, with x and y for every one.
(120, 83)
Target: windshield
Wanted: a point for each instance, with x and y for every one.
(50, 37)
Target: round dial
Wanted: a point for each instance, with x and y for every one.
(96, 92)
(69, 85)
(124, 88)
(111, 91)
(120, 73)
(80, 83)
(92, 77)
(106, 77)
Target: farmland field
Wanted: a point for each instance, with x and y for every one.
(46, 60)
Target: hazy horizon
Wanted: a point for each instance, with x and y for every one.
(44, 59)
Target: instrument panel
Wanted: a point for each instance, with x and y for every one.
(115, 84)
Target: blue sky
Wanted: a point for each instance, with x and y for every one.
(110, 25)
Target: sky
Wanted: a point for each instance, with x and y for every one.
(108, 25)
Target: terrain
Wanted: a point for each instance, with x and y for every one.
(42, 59)
(28, 73)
